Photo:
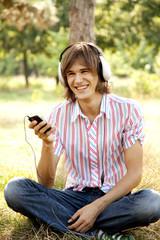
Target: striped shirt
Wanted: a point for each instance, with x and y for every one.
(90, 150)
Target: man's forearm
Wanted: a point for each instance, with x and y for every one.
(122, 188)
(47, 166)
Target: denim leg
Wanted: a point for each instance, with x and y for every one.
(137, 209)
(51, 206)
(55, 207)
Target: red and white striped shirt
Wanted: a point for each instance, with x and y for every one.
(89, 149)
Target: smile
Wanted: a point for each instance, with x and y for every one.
(81, 87)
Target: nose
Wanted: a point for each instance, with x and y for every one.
(78, 78)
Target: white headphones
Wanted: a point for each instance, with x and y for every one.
(106, 70)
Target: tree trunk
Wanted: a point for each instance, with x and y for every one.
(81, 21)
(35, 69)
(25, 68)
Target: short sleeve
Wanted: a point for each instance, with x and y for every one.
(57, 144)
(134, 127)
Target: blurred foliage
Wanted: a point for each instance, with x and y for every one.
(147, 84)
(140, 84)
(49, 66)
(132, 28)
(62, 7)
(23, 29)
(127, 31)
(27, 37)
(39, 14)
(128, 21)
(42, 47)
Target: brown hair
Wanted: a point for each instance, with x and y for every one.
(87, 55)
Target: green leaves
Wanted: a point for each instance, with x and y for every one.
(129, 25)
(40, 15)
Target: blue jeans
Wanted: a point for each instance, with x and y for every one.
(55, 207)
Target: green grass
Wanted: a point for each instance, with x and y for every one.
(16, 157)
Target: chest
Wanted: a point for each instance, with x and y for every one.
(81, 138)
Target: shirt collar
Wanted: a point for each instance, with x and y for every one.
(76, 111)
(105, 108)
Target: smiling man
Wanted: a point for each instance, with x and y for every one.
(101, 136)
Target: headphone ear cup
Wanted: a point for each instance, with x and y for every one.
(60, 74)
(106, 70)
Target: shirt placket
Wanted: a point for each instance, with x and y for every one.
(92, 136)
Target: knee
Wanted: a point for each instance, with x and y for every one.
(12, 192)
(154, 203)
(149, 204)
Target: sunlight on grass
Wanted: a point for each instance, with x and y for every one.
(16, 157)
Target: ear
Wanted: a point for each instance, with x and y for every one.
(106, 70)
(60, 74)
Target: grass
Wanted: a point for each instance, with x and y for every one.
(16, 157)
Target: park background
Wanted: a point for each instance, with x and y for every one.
(32, 35)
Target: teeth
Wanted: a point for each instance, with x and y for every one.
(82, 87)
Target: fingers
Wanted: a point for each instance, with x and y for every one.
(73, 221)
(32, 124)
(74, 217)
(41, 129)
(80, 224)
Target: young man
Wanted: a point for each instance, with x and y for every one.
(101, 136)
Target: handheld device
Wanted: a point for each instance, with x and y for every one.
(38, 119)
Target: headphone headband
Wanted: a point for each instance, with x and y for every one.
(106, 71)
(60, 57)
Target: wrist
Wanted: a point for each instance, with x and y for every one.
(100, 204)
(47, 144)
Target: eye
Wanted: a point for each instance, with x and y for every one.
(70, 74)
(85, 71)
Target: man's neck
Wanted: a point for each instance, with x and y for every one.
(91, 108)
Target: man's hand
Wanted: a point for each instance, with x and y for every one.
(40, 129)
(84, 218)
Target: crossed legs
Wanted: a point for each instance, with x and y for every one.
(55, 207)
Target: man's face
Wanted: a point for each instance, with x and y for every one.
(82, 81)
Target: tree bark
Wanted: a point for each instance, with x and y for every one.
(25, 68)
(81, 21)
